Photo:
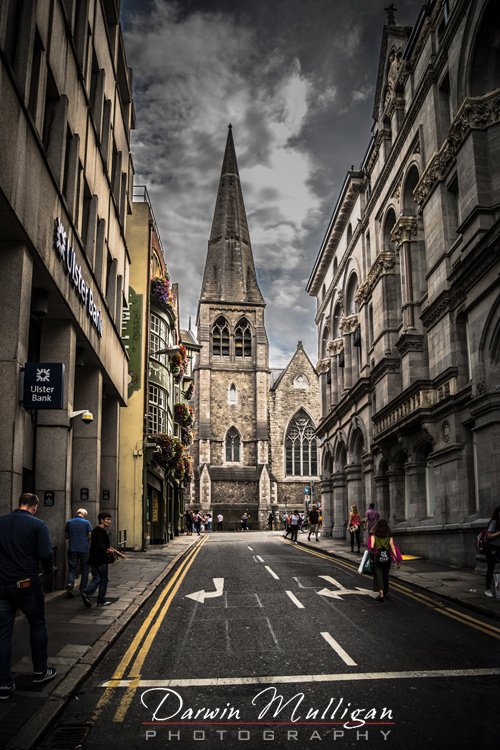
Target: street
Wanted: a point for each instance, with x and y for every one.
(255, 641)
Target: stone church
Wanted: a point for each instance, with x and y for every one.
(255, 447)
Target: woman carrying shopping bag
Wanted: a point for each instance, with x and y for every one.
(381, 544)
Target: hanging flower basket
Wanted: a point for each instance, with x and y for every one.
(170, 453)
(161, 292)
(178, 363)
(183, 414)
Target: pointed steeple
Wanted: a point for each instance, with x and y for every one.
(229, 269)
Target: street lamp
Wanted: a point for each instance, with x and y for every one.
(169, 350)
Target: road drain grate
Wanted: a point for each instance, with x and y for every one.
(66, 737)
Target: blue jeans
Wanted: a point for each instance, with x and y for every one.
(99, 579)
(73, 558)
(31, 602)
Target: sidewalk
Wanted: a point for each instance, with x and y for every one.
(78, 637)
(465, 587)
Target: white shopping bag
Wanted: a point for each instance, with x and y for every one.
(363, 560)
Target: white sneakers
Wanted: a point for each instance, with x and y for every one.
(489, 593)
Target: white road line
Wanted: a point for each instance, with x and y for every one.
(258, 600)
(259, 558)
(272, 572)
(228, 640)
(276, 643)
(339, 650)
(250, 548)
(295, 600)
(282, 679)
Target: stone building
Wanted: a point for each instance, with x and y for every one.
(65, 171)
(242, 412)
(408, 302)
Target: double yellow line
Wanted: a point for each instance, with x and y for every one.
(140, 646)
(471, 622)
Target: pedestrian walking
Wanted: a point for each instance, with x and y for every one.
(220, 521)
(354, 526)
(286, 521)
(492, 549)
(270, 521)
(78, 531)
(24, 543)
(244, 521)
(313, 523)
(294, 525)
(381, 544)
(208, 522)
(371, 518)
(188, 521)
(197, 522)
(100, 549)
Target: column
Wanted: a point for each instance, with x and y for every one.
(109, 461)
(326, 492)
(16, 269)
(354, 487)
(415, 478)
(339, 505)
(396, 481)
(53, 439)
(87, 441)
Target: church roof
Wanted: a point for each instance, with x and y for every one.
(229, 269)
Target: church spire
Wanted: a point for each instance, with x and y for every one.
(229, 270)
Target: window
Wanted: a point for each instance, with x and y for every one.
(301, 451)
(157, 414)
(243, 339)
(232, 396)
(220, 338)
(158, 338)
(233, 446)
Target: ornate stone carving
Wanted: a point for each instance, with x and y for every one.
(404, 230)
(335, 346)
(395, 72)
(476, 113)
(323, 365)
(410, 342)
(348, 324)
(383, 263)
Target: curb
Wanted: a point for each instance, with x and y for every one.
(478, 608)
(40, 721)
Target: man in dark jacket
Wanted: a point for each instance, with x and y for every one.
(100, 547)
(24, 543)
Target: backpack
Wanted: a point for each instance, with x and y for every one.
(481, 541)
(382, 550)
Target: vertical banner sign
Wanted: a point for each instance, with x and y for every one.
(43, 385)
(132, 339)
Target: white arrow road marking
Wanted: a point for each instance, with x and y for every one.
(259, 558)
(339, 650)
(341, 591)
(250, 548)
(294, 599)
(200, 596)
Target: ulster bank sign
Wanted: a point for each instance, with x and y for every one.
(82, 288)
(43, 386)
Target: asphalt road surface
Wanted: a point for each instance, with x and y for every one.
(254, 643)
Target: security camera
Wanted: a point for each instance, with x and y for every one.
(85, 414)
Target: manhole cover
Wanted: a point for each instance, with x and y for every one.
(66, 737)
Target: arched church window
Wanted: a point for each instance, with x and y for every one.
(220, 338)
(243, 339)
(232, 394)
(233, 445)
(301, 448)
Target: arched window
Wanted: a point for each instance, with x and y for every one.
(485, 65)
(409, 205)
(232, 394)
(301, 450)
(220, 338)
(233, 445)
(349, 233)
(243, 339)
(350, 302)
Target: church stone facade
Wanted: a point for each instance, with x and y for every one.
(241, 413)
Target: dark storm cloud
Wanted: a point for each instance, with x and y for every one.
(296, 80)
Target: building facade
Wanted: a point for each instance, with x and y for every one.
(156, 426)
(408, 302)
(65, 173)
(240, 414)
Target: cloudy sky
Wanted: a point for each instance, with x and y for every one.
(296, 79)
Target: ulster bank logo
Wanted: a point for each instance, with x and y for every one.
(42, 375)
